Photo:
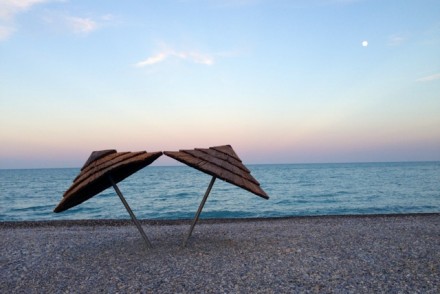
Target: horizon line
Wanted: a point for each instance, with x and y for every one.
(249, 164)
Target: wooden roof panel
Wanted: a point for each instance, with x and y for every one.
(98, 169)
(232, 160)
(93, 178)
(221, 162)
(227, 149)
(210, 155)
(100, 165)
(97, 155)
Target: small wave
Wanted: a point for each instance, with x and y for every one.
(293, 189)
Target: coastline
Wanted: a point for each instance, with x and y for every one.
(343, 254)
(167, 222)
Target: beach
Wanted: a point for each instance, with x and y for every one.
(322, 254)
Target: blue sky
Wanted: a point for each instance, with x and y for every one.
(281, 81)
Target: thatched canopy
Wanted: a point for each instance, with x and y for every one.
(221, 162)
(93, 177)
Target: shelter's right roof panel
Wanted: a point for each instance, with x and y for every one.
(221, 162)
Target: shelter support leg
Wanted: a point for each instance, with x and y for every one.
(196, 218)
(133, 217)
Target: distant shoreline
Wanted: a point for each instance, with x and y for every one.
(247, 164)
(165, 222)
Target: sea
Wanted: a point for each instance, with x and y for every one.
(175, 192)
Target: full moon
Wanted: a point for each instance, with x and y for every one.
(365, 43)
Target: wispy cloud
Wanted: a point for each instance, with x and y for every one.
(9, 8)
(396, 40)
(429, 78)
(152, 60)
(5, 32)
(81, 25)
(194, 56)
(197, 57)
(8, 11)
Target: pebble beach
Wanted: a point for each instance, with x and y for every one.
(326, 254)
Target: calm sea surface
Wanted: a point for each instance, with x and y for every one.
(175, 192)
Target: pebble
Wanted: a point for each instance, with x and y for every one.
(347, 254)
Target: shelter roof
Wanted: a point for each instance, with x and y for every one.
(221, 162)
(93, 177)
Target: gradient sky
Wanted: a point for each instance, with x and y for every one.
(299, 81)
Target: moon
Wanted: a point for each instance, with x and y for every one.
(365, 43)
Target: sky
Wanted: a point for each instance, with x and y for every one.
(298, 81)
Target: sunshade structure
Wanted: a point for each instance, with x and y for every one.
(102, 170)
(220, 162)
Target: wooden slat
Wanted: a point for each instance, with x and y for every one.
(97, 155)
(231, 160)
(184, 158)
(93, 179)
(208, 155)
(227, 149)
(98, 166)
(221, 162)
(222, 155)
(231, 178)
(97, 163)
(101, 169)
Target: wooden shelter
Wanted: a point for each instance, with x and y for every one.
(102, 170)
(220, 162)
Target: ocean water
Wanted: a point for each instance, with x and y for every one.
(175, 192)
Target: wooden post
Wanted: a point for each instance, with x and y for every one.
(196, 218)
(133, 217)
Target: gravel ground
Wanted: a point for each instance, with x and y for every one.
(362, 254)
